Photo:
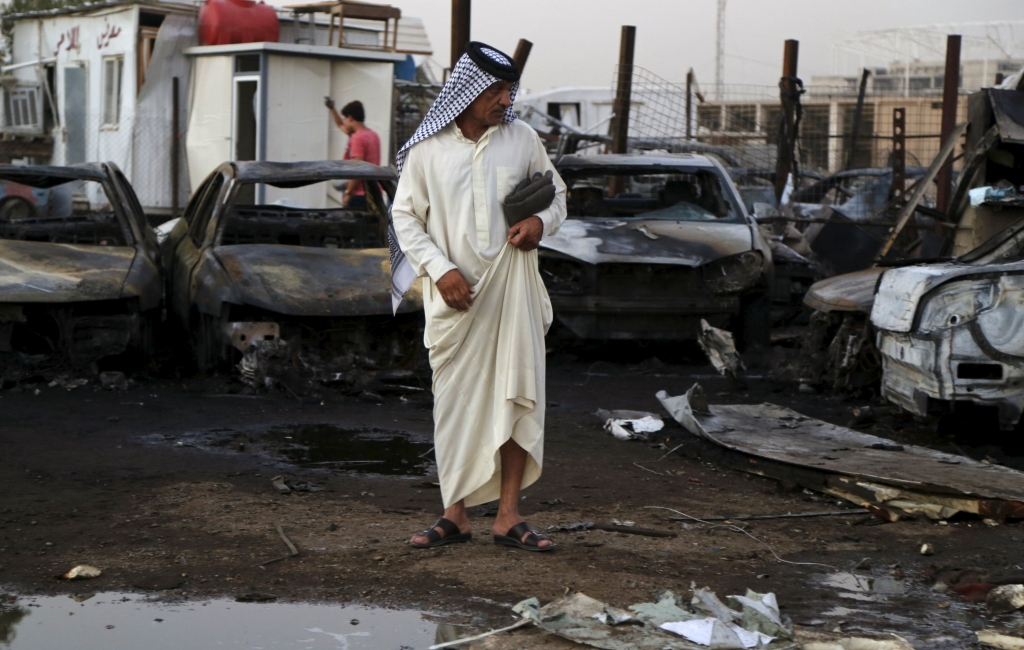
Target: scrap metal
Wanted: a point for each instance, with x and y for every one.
(889, 480)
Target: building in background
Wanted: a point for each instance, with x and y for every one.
(94, 83)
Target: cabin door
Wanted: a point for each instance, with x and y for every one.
(75, 115)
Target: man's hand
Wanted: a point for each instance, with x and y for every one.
(455, 290)
(526, 234)
(329, 103)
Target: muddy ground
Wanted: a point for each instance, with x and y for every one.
(167, 487)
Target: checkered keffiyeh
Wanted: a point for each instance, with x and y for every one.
(464, 85)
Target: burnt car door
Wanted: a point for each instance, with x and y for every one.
(145, 274)
(188, 251)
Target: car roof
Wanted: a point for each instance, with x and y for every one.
(47, 176)
(297, 174)
(634, 160)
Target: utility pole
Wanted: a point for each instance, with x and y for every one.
(720, 52)
(789, 95)
(858, 115)
(623, 89)
(689, 104)
(460, 29)
(950, 91)
(522, 54)
(175, 145)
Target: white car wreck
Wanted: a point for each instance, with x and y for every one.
(954, 332)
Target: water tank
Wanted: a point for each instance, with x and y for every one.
(222, 22)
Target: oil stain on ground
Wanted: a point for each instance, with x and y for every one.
(324, 446)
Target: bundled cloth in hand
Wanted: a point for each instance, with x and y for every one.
(529, 197)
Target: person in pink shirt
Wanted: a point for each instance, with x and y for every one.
(363, 144)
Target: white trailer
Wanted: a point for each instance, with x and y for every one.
(265, 101)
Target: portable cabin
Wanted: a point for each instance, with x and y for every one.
(265, 101)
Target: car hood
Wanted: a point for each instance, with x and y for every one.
(42, 272)
(302, 281)
(686, 243)
(848, 292)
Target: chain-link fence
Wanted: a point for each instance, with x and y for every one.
(742, 123)
(140, 146)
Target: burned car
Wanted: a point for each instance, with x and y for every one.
(269, 269)
(652, 244)
(954, 331)
(80, 277)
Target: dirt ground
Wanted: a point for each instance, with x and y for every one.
(108, 478)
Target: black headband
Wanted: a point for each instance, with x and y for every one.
(504, 71)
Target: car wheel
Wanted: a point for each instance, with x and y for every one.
(753, 325)
(143, 348)
(15, 209)
(205, 343)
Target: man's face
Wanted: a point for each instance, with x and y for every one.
(490, 105)
(348, 125)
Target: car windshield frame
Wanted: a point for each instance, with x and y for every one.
(54, 178)
(575, 173)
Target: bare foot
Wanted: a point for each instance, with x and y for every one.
(502, 526)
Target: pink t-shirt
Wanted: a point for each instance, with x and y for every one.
(365, 145)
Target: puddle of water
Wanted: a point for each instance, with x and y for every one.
(848, 581)
(882, 604)
(130, 621)
(324, 446)
(859, 585)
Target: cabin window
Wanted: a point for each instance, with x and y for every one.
(22, 108)
(113, 66)
(247, 63)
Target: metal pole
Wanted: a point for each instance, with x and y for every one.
(858, 115)
(950, 88)
(787, 139)
(689, 104)
(460, 29)
(720, 53)
(522, 54)
(899, 152)
(175, 149)
(623, 88)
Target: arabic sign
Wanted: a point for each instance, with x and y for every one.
(109, 33)
(71, 39)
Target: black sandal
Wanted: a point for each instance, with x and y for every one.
(452, 535)
(514, 537)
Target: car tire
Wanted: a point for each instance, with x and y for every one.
(753, 326)
(143, 348)
(206, 347)
(15, 209)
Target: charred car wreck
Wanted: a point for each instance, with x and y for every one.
(946, 331)
(79, 270)
(271, 271)
(653, 244)
(954, 332)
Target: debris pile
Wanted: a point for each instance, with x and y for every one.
(671, 622)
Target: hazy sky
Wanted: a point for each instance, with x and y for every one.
(576, 42)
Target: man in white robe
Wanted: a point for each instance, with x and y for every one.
(486, 307)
